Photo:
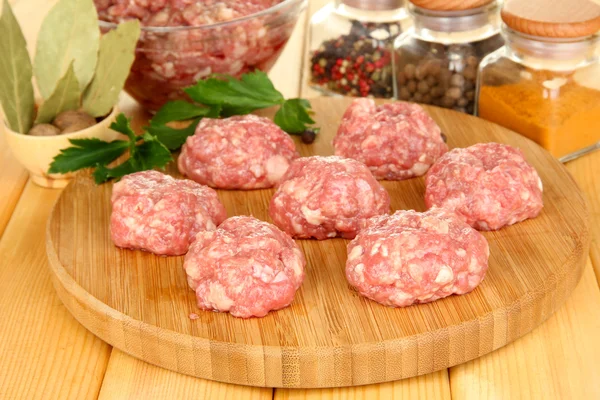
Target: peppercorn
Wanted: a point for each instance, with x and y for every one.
(308, 136)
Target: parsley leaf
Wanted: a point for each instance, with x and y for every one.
(236, 97)
(87, 153)
(147, 155)
(293, 116)
(180, 110)
(173, 138)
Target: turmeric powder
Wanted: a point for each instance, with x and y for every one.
(552, 110)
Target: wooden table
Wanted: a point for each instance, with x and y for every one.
(46, 354)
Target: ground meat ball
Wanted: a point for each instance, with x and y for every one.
(395, 140)
(325, 197)
(490, 185)
(246, 267)
(167, 62)
(241, 152)
(152, 211)
(412, 257)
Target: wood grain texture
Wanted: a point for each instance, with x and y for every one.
(434, 386)
(13, 178)
(558, 360)
(585, 171)
(330, 336)
(46, 354)
(552, 18)
(129, 378)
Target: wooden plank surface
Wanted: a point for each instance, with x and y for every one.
(434, 386)
(46, 354)
(22, 382)
(128, 378)
(558, 360)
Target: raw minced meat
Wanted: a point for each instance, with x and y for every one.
(241, 152)
(325, 197)
(168, 61)
(490, 185)
(154, 212)
(395, 140)
(412, 257)
(246, 267)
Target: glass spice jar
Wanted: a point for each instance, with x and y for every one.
(545, 82)
(437, 59)
(351, 45)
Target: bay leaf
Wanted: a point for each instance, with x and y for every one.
(69, 32)
(117, 52)
(16, 89)
(65, 97)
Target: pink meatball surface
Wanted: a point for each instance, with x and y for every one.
(246, 267)
(154, 212)
(411, 257)
(395, 140)
(325, 197)
(490, 185)
(241, 152)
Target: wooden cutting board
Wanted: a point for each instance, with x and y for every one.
(329, 336)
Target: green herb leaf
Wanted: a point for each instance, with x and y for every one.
(68, 33)
(237, 97)
(173, 138)
(123, 125)
(293, 116)
(87, 153)
(65, 97)
(16, 89)
(117, 51)
(148, 155)
(178, 110)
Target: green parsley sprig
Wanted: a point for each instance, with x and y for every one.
(145, 152)
(224, 96)
(219, 96)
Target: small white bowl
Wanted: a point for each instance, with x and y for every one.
(36, 153)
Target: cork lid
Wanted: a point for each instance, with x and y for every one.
(552, 18)
(450, 5)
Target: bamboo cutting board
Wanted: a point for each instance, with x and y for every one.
(330, 336)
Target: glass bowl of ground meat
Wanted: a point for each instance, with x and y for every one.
(183, 41)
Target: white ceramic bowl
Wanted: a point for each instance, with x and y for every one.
(36, 153)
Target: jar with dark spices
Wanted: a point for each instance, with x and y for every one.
(351, 47)
(437, 59)
(545, 82)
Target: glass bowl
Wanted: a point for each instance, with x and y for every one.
(171, 58)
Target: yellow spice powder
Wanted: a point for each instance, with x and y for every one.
(562, 118)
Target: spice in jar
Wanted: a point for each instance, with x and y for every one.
(442, 75)
(551, 109)
(358, 63)
(437, 60)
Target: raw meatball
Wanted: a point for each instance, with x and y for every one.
(152, 211)
(241, 152)
(246, 267)
(490, 185)
(325, 197)
(395, 140)
(412, 257)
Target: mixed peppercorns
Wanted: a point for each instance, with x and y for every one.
(357, 64)
(442, 75)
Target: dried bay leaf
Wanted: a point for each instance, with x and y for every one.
(16, 89)
(117, 52)
(65, 97)
(69, 33)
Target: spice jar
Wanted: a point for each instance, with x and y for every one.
(545, 82)
(437, 59)
(351, 45)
